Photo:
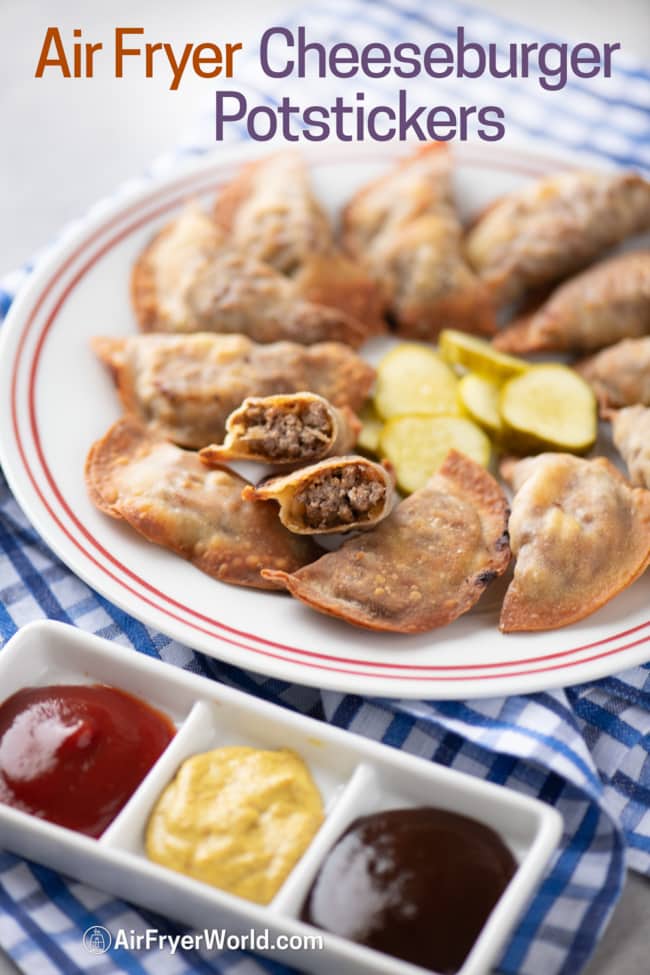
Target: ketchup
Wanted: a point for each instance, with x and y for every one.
(74, 754)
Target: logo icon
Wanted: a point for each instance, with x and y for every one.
(97, 940)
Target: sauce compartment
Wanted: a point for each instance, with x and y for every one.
(58, 654)
(381, 785)
(213, 724)
(355, 777)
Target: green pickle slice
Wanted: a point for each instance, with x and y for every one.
(414, 379)
(417, 445)
(477, 355)
(549, 407)
(480, 397)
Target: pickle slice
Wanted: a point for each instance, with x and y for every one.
(417, 445)
(371, 426)
(480, 397)
(414, 379)
(477, 355)
(549, 407)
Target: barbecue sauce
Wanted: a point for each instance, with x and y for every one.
(418, 884)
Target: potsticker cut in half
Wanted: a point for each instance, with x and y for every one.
(186, 386)
(580, 535)
(288, 428)
(606, 303)
(405, 229)
(269, 212)
(555, 226)
(427, 563)
(191, 279)
(168, 496)
(335, 495)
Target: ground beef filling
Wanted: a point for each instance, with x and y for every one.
(280, 435)
(339, 497)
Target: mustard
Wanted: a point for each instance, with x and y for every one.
(236, 818)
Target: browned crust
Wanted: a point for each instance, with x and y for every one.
(234, 563)
(431, 148)
(483, 212)
(519, 338)
(474, 480)
(338, 309)
(326, 322)
(549, 325)
(511, 279)
(518, 614)
(216, 453)
(231, 196)
(119, 441)
(330, 280)
(111, 352)
(355, 425)
(335, 281)
(355, 377)
(144, 296)
(470, 307)
(469, 310)
(340, 376)
(585, 368)
(507, 467)
(470, 480)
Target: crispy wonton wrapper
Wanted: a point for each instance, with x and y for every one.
(580, 535)
(270, 213)
(631, 434)
(606, 303)
(168, 496)
(405, 228)
(186, 386)
(289, 428)
(335, 495)
(189, 279)
(555, 226)
(424, 565)
(619, 375)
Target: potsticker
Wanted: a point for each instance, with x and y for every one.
(405, 229)
(579, 534)
(619, 375)
(186, 386)
(189, 279)
(427, 563)
(555, 226)
(269, 212)
(288, 428)
(606, 303)
(168, 496)
(335, 495)
(631, 434)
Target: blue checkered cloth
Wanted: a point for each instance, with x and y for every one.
(584, 749)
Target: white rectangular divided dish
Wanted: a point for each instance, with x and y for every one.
(355, 777)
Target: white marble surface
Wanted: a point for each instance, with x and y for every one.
(65, 143)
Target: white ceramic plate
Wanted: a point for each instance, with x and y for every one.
(56, 399)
